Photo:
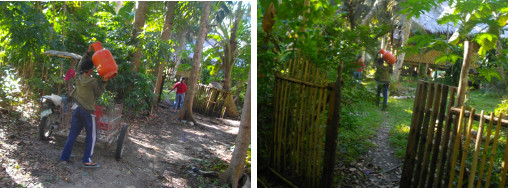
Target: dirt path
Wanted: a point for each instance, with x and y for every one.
(160, 152)
(386, 167)
(378, 168)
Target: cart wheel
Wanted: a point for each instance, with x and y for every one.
(120, 142)
(46, 128)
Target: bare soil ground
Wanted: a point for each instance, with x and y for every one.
(160, 152)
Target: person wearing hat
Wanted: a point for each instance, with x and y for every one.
(84, 94)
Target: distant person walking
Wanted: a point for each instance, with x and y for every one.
(359, 72)
(382, 77)
(181, 88)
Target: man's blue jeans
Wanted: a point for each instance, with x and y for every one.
(179, 98)
(80, 119)
(383, 87)
(358, 78)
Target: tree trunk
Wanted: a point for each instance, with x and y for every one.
(186, 112)
(181, 46)
(236, 167)
(139, 22)
(119, 5)
(464, 73)
(165, 35)
(229, 62)
(400, 57)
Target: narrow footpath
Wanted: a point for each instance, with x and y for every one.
(386, 167)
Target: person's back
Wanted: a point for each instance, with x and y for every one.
(382, 73)
(87, 89)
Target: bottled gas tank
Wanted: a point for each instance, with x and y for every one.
(387, 56)
(104, 62)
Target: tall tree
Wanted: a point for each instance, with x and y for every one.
(165, 35)
(182, 42)
(227, 31)
(139, 22)
(186, 112)
(406, 28)
(236, 167)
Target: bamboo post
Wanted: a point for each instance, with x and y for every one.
(494, 147)
(423, 137)
(466, 147)
(446, 140)
(477, 151)
(455, 148)
(331, 131)
(439, 134)
(485, 149)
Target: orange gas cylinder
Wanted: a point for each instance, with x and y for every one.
(387, 56)
(104, 62)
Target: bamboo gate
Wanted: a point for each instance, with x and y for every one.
(442, 151)
(210, 101)
(302, 102)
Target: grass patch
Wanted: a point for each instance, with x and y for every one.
(484, 100)
(354, 142)
(399, 120)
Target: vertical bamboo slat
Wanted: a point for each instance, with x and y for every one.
(423, 136)
(485, 149)
(407, 171)
(275, 124)
(476, 152)
(314, 134)
(466, 147)
(494, 147)
(430, 135)
(321, 132)
(455, 149)
(446, 141)
(285, 113)
(439, 132)
(505, 160)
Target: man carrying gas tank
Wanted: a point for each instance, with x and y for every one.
(382, 77)
(84, 94)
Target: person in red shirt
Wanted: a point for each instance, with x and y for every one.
(358, 73)
(181, 88)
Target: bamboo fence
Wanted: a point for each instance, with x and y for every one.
(210, 101)
(451, 156)
(301, 108)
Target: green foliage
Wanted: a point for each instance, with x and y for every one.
(487, 42)
(107, 99)
(502, 108)
(417, 7)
